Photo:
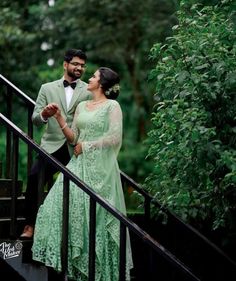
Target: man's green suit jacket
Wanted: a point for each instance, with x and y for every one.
(53, 137)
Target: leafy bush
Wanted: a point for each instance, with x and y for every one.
(194, 120)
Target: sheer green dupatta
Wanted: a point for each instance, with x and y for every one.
(101, 141)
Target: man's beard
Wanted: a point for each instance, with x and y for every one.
(74, 75)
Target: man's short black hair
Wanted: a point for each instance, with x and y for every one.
(69, 54)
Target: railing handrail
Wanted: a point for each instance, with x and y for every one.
(154, 201)
(18, 92)
(116, 213)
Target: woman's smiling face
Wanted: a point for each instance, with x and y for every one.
(94, 83)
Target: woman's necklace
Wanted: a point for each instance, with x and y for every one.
(97, 102)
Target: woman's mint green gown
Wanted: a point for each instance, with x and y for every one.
(100, 132)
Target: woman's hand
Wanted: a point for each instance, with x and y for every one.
(78, 149)
(57, 114)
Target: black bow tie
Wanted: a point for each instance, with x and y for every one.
(66, 84)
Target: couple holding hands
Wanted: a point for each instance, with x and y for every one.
(84, 132)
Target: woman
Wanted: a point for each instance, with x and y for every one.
(97, 130)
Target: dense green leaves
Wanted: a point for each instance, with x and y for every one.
(35, 34)
(194, 119)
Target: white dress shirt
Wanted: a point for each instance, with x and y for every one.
(69, 93)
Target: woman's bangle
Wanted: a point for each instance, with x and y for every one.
(62, 128)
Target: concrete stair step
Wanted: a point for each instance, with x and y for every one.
(9, 273)
(5, 206)
(5, 227)
(13, 260)
(6, 187)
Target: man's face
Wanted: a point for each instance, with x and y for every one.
(75, 68)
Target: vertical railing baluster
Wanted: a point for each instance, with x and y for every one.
(122, 267)
(147, 203)
(1, 170)
(8, 154)
(30, 133)
(92, 239)
(15, 153)
(150, 266)
(65, 224)
(8, 170)
(41, 181)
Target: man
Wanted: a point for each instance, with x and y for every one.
(67, 92)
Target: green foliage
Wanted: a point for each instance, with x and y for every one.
(194, 119)
(19, 43)
(114, 34)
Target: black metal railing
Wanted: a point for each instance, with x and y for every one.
(95, 199)
(187, 231)
(10, 91)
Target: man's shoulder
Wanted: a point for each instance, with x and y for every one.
(52, 83)
(82, 84)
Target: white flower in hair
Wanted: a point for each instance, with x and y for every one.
(115, 88)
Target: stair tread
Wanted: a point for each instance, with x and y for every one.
(8, 180)
(22, 263)
(9, 219)
(6, 187)
(21, 197)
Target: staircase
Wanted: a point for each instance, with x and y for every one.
(15, 255)
(5, 207)
(170, 252)
(19, 264)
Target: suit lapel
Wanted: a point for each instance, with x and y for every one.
(62, 95)
(76, 94)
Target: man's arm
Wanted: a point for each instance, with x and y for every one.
(41, 110)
